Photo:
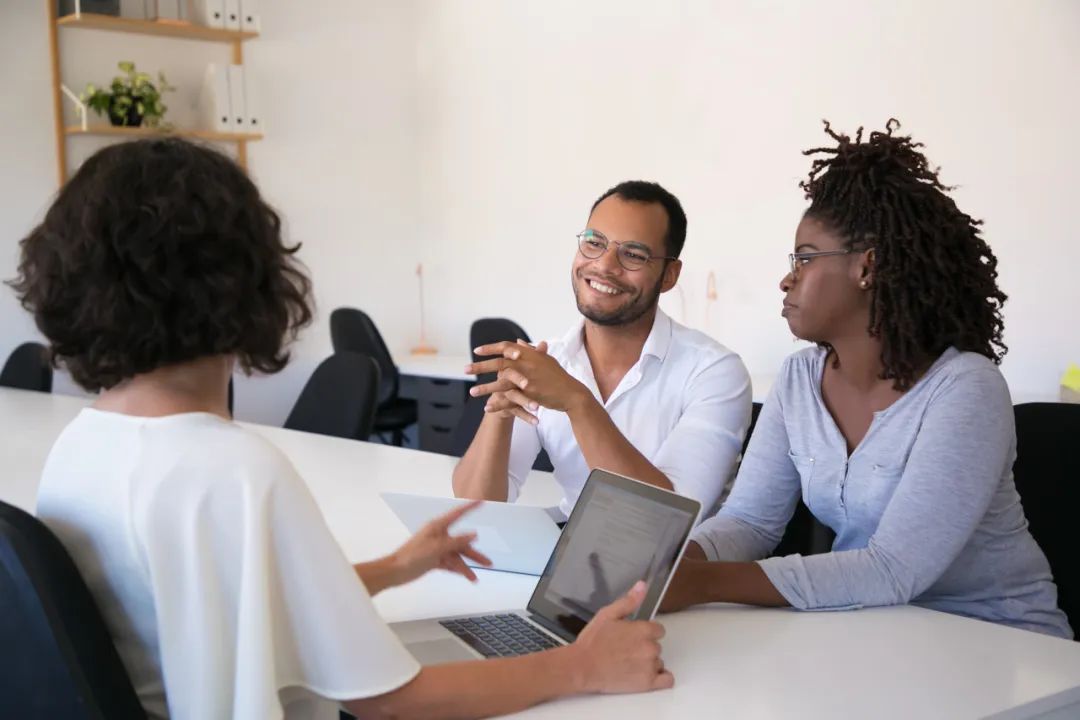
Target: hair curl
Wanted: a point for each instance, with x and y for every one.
(159, 252)
(934, 277)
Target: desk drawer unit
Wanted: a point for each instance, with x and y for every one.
(440, 404)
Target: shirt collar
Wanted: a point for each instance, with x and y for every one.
(656, 345)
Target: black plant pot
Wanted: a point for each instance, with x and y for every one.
(133, 118)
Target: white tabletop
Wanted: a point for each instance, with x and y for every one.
(900, 662)
(442, 367)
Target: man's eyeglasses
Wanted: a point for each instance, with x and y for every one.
(797, 260)
(631, 255)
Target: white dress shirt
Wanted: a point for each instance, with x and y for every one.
(685, 406)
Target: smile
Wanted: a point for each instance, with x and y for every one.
(601, 287)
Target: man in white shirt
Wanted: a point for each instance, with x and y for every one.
(627, 389)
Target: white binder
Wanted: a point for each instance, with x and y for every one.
(214, 100)
(252, 112)
(249, 15)
(237, 111)
(232, 15)
(210, 13)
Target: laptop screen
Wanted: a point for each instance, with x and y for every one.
(619, 532)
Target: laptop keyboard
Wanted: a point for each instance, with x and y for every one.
(499, 635)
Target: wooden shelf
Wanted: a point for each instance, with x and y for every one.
(164, 28)
(135, 132)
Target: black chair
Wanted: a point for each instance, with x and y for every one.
(1047, 475)
(353, 331)
(487, 331)
(339, 398)
(58, 660)
(804, 534)
(27, 368)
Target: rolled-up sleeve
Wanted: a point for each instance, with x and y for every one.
(699, 454)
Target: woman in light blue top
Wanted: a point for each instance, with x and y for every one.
(897, 429)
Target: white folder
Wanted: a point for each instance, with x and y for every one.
(237, 111)
(214, 100)
(252, 113)
(232, 15)
(249, 16)
(210, 13)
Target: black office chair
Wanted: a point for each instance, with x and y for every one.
(487, 331)
(1047, 475)
(353, 331)
(58, 660)
(339, 398)
(27, 368)
(804, 534)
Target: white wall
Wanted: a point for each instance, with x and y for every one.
(531, 109)
(339, 97)
(474, 135)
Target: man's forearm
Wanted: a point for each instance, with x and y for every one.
(483, 471)
(604, 446)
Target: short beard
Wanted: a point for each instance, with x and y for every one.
(626, 315)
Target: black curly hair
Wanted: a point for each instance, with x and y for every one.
(159, 252)
(934, 277)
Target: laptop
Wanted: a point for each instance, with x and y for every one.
(619, 532)
(516, 538)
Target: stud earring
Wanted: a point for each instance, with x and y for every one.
(864, 284)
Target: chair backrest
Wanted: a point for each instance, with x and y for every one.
(339, 398)
(486, 331)
(58, 659)
(352, 330)
(27, 368)
(1047, 475)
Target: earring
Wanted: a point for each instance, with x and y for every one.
(864, 284)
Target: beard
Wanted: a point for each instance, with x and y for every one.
(632, 310)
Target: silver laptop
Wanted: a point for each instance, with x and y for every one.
(517, 538)
(619, 532)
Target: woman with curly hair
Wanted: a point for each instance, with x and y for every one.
(158, 268)
(897, 429)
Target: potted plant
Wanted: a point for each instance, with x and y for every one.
(131, 100)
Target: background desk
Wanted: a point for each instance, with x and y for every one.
(440, 387)
(728, 661)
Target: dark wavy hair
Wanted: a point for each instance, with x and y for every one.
(159, 252)
(934, 278)
(649, 192)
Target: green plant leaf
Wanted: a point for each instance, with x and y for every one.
(126, 65)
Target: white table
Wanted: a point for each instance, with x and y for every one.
(728, 661)
(443, 367)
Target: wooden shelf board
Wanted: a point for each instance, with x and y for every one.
(164, 28)
(157, 132)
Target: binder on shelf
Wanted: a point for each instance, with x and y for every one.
(252, 113)
(210, 13)
(232, 15)
(168, 10)
(237, 112)
(249, 16)
(214, 100)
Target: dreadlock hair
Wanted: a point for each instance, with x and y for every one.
(935, 279)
